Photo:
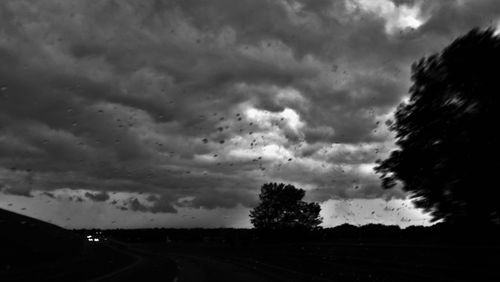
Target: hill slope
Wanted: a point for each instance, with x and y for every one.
(33, 250)
(25, 240)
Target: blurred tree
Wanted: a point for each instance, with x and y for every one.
(448, 145)
(281, 207)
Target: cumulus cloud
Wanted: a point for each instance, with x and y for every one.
(200, 103)
(396, 17)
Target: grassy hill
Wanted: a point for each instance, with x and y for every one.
(25, 240)
(33, 250)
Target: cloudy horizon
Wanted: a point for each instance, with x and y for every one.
(174, 113)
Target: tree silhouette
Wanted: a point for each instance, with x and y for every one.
(281, 207)
(448, 146)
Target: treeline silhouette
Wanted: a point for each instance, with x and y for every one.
(441, 233)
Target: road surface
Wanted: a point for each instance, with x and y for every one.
(208, 268)
(164, 266)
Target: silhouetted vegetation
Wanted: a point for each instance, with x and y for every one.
(441, 233)
(448, 146)
(281, 207)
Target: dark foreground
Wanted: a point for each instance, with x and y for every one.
(341, 261)
(36, 251)
(345, 253)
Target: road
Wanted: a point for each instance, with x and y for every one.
(159, 265)
(204, 269)
(207, 269)
(147, 266)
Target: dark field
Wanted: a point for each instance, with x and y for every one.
(33, 250)
(345, 253)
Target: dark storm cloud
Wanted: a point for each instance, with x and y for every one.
(159, 205)
(18, 190)
(225, 199)
(444, 14)
(154, 96)
(97, 197)
(49, 194)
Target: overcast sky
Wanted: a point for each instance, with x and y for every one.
(174, 113)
